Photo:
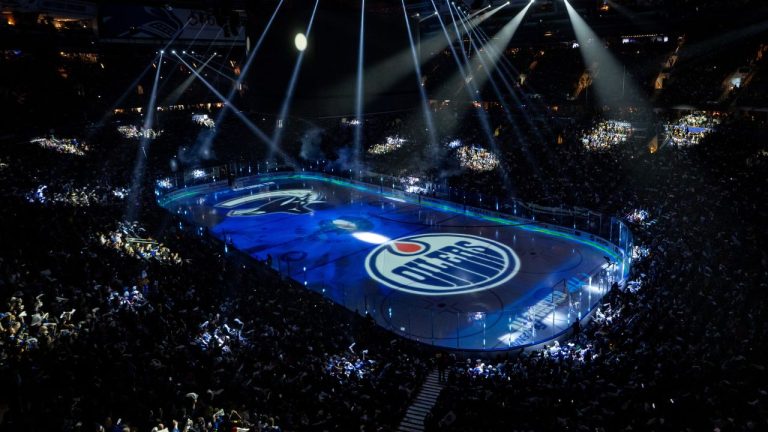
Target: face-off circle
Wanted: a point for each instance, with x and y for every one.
(442, 264)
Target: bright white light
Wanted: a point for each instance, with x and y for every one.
(510, 338)
(370, 237)
(593, 289)
(300, 41)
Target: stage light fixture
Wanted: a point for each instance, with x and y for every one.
(173, 52)
(300, 41)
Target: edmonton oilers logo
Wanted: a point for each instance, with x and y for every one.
(442, 264)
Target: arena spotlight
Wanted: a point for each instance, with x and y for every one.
(173, 51)
(428, 17)
(506, 72)
(286, 105)
(609, 78)
(465, 74)
(249, 124)
(133, 203)
(417, 69)
(489, 76)
(358, 137)
(300, 41)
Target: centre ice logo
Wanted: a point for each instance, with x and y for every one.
(442, 264)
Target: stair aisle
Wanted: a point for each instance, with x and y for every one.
(425, 400)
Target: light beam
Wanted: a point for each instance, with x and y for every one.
(134, 197)
(359, 96)
(248, 123)
(277, 135)
(423, 94)
(612, 85)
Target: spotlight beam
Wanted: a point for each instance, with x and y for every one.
(475, 13)
(472, 91)
(202, 27)
(122, 97)
(396, 67)
(138, 79)
(277, 136)
(417, 68)
(176, 94)
(502, 67)
(520, 138)
(496, 45)
(218, 72)
(207, 137)
(606, 71)
(513, 92)
(173, 71)
(506, 66)
(428, 17)
(256, 131)
(133, 202)
(530, 158)
(359, 96)
(488, 72)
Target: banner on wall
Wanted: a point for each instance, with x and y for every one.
(139, 24)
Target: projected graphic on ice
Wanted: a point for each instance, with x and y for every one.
(442, 264)
(288, 201)
(426, 269)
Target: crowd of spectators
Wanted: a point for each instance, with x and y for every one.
(128, 240)
(477, 158)
(220, 341)
(691, 129)
(133, 132)
(70, 194)
(204, 120)
(606, 134)
(62, 145)
(676, 349)
(92, 338)
(391, 144)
